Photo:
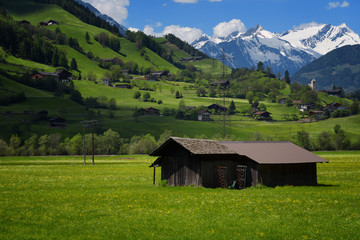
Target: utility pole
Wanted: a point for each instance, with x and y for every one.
(225, 121)
(86, 124)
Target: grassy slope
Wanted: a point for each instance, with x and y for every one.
(75, 28)
(59, 198)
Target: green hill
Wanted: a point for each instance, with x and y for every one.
(340, 67)
(193, 81)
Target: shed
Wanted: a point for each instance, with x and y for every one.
(262, 115)
(57, 122)
(217, 107)
(204, 116)
(214, 164)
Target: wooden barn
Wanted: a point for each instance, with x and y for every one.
(208, 163)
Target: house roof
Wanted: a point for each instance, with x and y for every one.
(273, 152)
(194, 146)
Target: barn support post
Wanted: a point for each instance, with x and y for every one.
(92, 142)
(154, 174)
(84, 142)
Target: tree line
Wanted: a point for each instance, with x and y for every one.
(327, 140)
(110, 142)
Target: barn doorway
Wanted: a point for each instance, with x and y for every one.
(241, 176)
(221, 176)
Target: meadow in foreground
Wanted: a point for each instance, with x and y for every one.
(59, 198)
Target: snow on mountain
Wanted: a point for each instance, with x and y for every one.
(321, 38)
(286, 51)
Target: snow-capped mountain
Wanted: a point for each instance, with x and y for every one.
(103, 16)
(286, 51)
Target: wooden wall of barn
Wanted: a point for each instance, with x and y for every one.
(288, 174)
(181, 169)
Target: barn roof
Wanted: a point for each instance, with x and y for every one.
(273, 152)
(194, 146)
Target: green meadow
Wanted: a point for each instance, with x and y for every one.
(60, 198)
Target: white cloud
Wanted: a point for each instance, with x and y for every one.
(187, 34)
(117, 9)
(344, 4)
(186, 1)
(215, 0)
(149, 30)
(307, 25)
(133, 29)
(223, 29)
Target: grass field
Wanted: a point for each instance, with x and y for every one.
(59, 198)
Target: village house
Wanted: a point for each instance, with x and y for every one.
(223, 84)
(204, 116)
(213, 164)
(59, 75)
(305, 107)
(331, 107)
(335, 92)
(107, 60)
(24, 22)
(124, 85)
(316, 114)
(283, 100)
(106, 81)
(57, 122)
(156, 76)
(186, 59)
(149, 111)
(262, 115)
(52, 22)
(217, 108)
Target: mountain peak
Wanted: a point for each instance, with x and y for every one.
(254, 30)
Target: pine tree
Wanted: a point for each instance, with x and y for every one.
(87, 37)
(232, 108)
(73, 64)
(260, 66)
(287, 77)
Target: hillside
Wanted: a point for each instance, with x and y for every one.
(117, 109)
(340, 67)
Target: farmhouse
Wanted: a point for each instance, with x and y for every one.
(262, 115)
(208, 163)
(217, 107)
(204, 116)
(59, 75)
(223, 84)
(150, 111)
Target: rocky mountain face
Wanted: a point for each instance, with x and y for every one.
(290, 50)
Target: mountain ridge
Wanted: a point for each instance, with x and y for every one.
(289, 50)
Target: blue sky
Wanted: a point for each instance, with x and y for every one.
(189, 18)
